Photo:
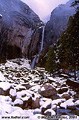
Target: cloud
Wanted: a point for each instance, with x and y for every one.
(44, 7)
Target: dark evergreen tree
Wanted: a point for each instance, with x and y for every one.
(69, 46)
(76, 2)
(51, 60)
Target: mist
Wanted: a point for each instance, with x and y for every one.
(43, 8)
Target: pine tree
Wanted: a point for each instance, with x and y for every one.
(76, 2)
(69, 46)
(51, 60)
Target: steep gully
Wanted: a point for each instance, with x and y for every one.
(36, 58)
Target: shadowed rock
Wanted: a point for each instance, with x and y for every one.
(48, 91)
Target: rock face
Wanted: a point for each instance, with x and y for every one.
(58, 22)
(35, 45)
(17, 24)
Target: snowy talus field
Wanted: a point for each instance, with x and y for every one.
(34, 94)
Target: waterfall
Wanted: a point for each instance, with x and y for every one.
(33, 62)
(36, 58)
(42, 40)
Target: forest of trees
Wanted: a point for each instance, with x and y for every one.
(66, 52)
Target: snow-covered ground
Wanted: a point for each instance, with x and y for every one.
(34, 94)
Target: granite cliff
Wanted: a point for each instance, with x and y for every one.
(58, 22)
(17, 26)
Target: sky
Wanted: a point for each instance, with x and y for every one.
(43, 8)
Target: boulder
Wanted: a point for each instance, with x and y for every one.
(57, 101)
(45, 108)
(47, 90)
(66, 96)
(36, 104)
(77, 103)
(71, 107)
(50, 112)
(27, 104)
(68, 104)
(13, 94)
(18, 103)
(5, 88)
(2, 92)
(62, 90)
(27, 85)
(45, 104)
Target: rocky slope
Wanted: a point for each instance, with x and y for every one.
(18, 23)
(35, 93)
(58, 22)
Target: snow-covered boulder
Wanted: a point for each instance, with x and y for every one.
(4, 88)
(18, 103)
(5, 85)
(68, 104)
(50, 112)
(47, 90)
(45, 104)
(2, 78)
(58, 101)
(51, 79)
(13, 92)
(77, 103)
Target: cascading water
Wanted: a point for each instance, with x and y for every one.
(33, 63)
(42, 40)
(36, 58)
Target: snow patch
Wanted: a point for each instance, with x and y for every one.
(45, 102)
(67, 103)
(77, 102)
(2, 78)
(18, 101)
(57, 101)
(42, 89)
(13, 92)
(5, 85)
